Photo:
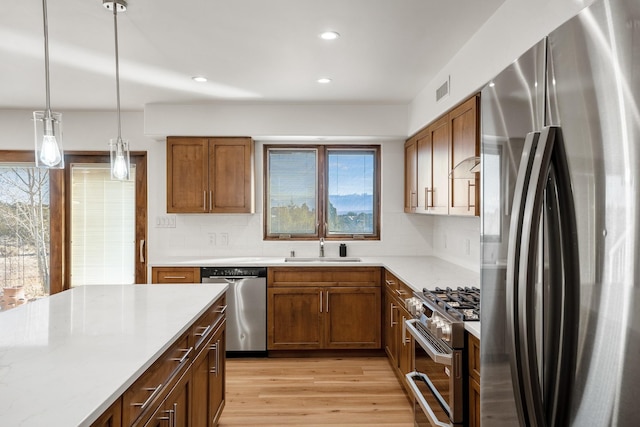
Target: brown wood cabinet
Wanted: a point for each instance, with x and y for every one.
(398, 343)
(473, 345)
(210, 175)
(184, 386)
(433, 172)
(431, 155)
(410, 175)
(112, 417)
(175, 408)
(175, 275)
(313, 308)
(465, 144)
(208, 381)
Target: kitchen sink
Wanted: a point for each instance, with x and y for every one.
(322, 259)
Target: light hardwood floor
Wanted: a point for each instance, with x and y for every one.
(354, 391)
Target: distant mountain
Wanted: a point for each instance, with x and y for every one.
(355, 203)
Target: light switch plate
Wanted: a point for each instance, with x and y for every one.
(166, 221)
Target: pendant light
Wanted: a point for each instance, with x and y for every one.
(118, 148)
(47, 124)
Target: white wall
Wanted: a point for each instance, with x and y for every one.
(401, 234)
(515, 27)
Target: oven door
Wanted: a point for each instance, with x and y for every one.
(437, 381)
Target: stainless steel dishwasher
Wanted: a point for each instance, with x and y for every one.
(246, 333)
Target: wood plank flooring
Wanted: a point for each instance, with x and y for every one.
(352, 391)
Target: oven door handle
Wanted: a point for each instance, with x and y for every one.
(437, 356)
(420, 398)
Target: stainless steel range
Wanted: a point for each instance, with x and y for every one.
(437, 381)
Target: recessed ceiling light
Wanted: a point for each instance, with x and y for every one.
(329, 35)
(324, 80)
(199, 79)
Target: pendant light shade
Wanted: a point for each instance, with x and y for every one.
(118, 148)
(47, 124)
(119, 151)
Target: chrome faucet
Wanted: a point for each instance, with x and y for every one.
(321, 247)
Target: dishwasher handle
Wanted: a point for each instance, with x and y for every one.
(218, 279)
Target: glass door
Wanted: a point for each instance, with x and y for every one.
(24, 234)
(105, 222)
(102, 226)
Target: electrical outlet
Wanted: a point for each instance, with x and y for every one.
(467, 246)
(224, 239)
(212, 239)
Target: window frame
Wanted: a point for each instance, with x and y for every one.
(322, 197)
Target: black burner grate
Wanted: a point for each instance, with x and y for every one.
(461, 303)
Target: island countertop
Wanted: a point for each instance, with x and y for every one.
(66, 358)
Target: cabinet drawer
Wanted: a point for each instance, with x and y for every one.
(322, 276)
(175, 275)
(204, 327)
(154, 383)
(397, 287)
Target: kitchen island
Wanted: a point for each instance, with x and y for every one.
(67, 358)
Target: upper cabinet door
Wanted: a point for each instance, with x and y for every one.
(410, 176)
(431, 156)
(465, 144)
(187, 175)
(440, 141)
(230, 175)
(210, 175)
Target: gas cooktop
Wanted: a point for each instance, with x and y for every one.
(461, 303)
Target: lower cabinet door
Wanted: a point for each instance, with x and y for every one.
(208, 377)
(405, 345)
(293, 318)
(390, 328)
(474, 403)
(352, 317)
(217, 372)
(200, 387)
(174, 411)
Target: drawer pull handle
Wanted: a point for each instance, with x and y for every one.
(175, 277)
(400, 292)
(181, 360)
(215, 370)
(390, 282)
(221, 310)
(205, 332)
(392, 323)
(154, 392)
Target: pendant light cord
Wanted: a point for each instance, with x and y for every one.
(46, 58)
(115, 28)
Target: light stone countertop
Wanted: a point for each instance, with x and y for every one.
(66, 358)
(416, 271)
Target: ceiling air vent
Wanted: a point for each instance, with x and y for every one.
(443, 90)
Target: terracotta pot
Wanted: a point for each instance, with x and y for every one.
(12, 297)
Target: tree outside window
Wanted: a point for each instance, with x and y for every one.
(24, 234)
(322, 191)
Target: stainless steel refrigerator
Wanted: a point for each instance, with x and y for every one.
(560, 277)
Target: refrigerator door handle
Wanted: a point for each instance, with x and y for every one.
(560, 347)
(513, 289)
(550, 189)
(526, 279)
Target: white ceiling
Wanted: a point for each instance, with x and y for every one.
(250, 50)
